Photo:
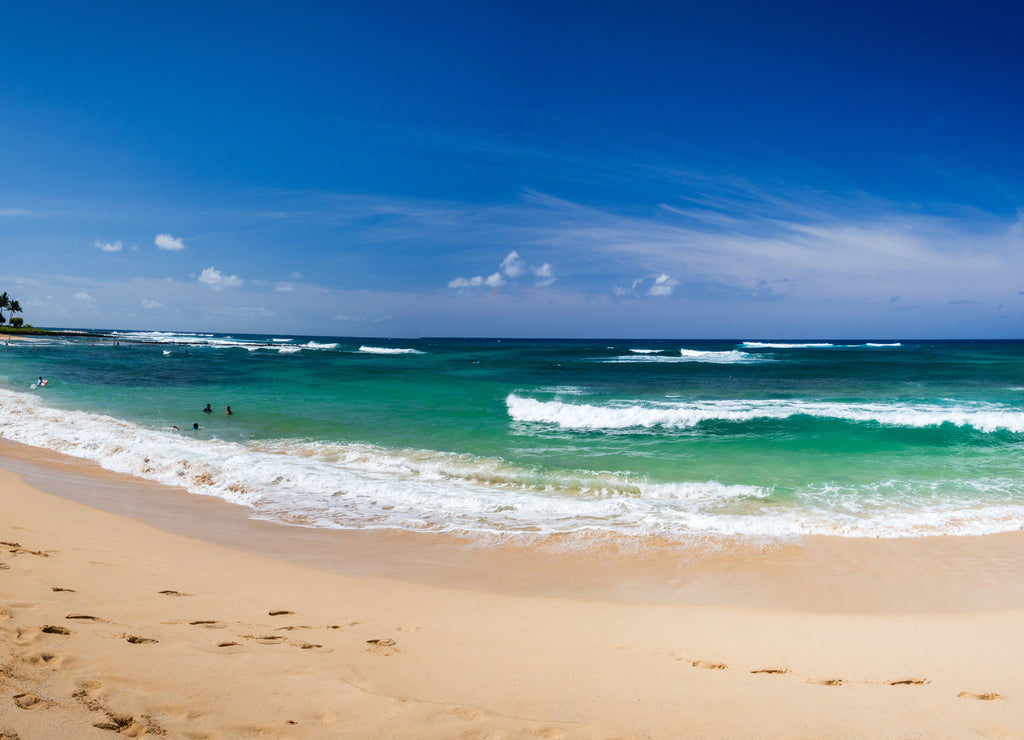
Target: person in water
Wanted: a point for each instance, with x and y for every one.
(195, 427)
(228, 412)
(207, 410)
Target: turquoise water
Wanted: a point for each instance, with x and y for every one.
(639, 438)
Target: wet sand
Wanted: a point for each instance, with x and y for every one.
(131, 608)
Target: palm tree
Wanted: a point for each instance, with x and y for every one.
(5, 303)
(14, 308)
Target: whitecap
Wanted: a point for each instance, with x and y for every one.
(369, 486)
(983, 417)
(390, 351)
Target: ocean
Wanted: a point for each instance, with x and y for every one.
(673, 440)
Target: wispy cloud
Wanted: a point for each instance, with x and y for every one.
(107, 246)
(545, 275)
(14, 212)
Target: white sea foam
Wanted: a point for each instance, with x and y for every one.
(721, 357)
(786, 345)
(645, 351)
(681, 415)
(163, 337)
(366, 486)
(389, 350)
(814, 345)
(291, 349)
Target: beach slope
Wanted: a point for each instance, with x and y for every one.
(110, 626)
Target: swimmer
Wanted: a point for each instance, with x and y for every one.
(195, 427)
(228, 412)
(207, 410)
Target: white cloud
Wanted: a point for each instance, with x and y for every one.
(493, 281)
(215, 279)
(14, 212)
(545, 275)
(149, 303)
(461, 282)
(620, 291)
(512, 265)
(169, 243)
(83, 297)
(107, 246)
(663, 285)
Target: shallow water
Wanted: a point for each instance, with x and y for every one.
(678, 440)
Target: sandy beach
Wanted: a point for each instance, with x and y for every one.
(149, 611)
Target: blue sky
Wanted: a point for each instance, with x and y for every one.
(645, 169)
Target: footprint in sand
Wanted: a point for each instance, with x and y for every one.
(53, 629)
(170, 592)
(826, 681)
(210, 624)
(710, 665)
(39, 660)
(9, 735)
(84, 617)
(136, 640)
(29, 701)
(773, 671)
(382, 646)
(15, 548)
(979, 697)
(115, 722)
(58, 589)
(229, 646)
(26, 635)
(87, 690)
(313, 647)
(265, 639)
(279, 612)
(909, 682)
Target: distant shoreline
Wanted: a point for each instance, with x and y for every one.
(7, 333)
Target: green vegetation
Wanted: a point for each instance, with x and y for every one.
(17, 324)
(9, 305)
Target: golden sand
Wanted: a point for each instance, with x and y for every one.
(112, 624)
